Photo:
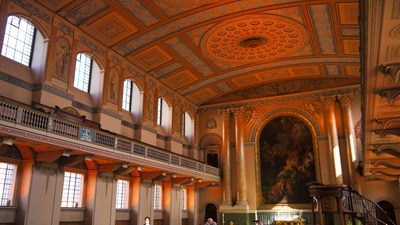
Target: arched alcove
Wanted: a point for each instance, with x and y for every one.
(211, 212)
(287, 160)
(211, 144)
(389, 209)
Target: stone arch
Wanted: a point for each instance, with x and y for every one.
(211, 139)
(264, 119)
(211, 144)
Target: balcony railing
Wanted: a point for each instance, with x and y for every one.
(45, 122)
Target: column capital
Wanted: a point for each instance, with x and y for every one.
(345, 99)
(329, 102)
(238, 112)
(224, 113)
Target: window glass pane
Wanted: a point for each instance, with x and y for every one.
(122, 201)
(7, 173)
(157, 196)
(183, 124)
(72, 189)
(127, 95)
(18, 40)
(83, 72)
(184, 199)
(159, 111)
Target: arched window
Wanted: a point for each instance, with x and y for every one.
(83, 72)
(18, 41)
(164, 116)
(127, 95)
(132, 98)
(163, 113)
(187, 126)
(160, 111)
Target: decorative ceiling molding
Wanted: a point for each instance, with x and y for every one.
(254, 38)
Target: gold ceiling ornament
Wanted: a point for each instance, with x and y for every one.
(254, 38)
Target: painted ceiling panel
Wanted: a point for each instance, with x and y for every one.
(150, 58)
(208, 51)
(111, 28)
(138, 10)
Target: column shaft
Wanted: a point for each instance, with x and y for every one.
(334, 152)
(240, 160)
(226, 166)
(345, 102)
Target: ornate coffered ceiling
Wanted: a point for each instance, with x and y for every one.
(209, 51)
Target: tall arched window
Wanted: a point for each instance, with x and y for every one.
(83, 72)
(18, 41)
(132, 99)
(187, 126)
(164, 116)
(160, 111)
(127, 95)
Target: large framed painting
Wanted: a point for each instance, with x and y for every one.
(286, 161)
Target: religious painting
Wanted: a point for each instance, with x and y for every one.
(286, 161)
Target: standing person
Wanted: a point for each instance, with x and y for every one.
(210, 222)
(147, 220)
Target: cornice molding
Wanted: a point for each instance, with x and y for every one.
(281, 99)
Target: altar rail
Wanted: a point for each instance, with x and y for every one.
(45, 122)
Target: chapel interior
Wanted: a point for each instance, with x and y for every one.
(281, 112)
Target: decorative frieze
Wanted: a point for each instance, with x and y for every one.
(92, 45)
(66, 29)
(34, 10)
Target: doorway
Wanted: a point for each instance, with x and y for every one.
(211, 212)
(389, 209)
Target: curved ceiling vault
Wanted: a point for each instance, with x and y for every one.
(217, 51)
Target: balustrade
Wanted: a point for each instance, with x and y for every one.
(46, 122)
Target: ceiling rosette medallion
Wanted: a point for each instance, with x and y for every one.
(254, 38)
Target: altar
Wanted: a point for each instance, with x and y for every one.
(289, 222)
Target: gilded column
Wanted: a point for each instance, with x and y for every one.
(240, 161)
(226, 166)
(334, 151)
(345, 103)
